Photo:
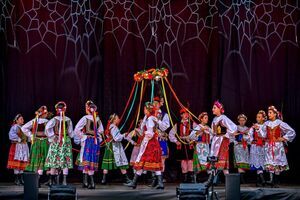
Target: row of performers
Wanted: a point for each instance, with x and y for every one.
(51, 144)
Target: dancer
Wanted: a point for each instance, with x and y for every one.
(201, 135)
(18, 157)
(257, 151)
(88, 134)
(185, 150)
(163, 125)
(149, 157)
(277, 133)
(241, 152)
(35, 130)
(59, 131)
(114, 155)
(223, 129)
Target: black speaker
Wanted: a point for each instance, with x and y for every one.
(31, 189)
(191, 191)
(232, 186)
(62, 192)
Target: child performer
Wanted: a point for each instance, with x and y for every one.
(88, 133)
(18, 157)
(114, 155)
(257, 151)
(276, 133)
(60, 131)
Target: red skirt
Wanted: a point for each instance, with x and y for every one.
(151, 159)
(223, 162)
(12, 163)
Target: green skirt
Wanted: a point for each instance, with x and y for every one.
(108, 161)
(38, 155)
(196, 164)
(60, 155)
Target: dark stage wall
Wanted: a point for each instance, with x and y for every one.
(245, 53)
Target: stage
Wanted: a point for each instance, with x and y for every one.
(118, 191)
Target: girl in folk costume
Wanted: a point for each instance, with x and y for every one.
(257, 151)
(201, 135)
(184, 151)
(88, 133)
(163, 124)
(59, 131)
(223, 131)
(241, 152)
(35, 130)
(18, 153)
(276, 133)
(114, 155)
(149, 157)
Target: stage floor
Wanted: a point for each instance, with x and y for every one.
(118, 191)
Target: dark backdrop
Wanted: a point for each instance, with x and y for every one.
(246, 54)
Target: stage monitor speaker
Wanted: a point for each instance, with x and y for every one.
(31, 189)
(62, 192)
(232, 186)
(191, 191)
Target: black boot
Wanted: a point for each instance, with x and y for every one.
(92, 183)
(39, 181)
(160, 183)
(126, 179)
(260, 180)
(21, 179)
(242, 178)
(85, 181)
(17, 180)
(191, 178)
(103, 182)
(185, 178)
(271, 181)
(209, 181)
(57, 179)
(133, 184)
(64, 180)
(194, 179)
(154, 181)
(51, 180)
(47, 183)
(276, 181)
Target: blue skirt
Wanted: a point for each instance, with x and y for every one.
(90, 158)
(164, 148)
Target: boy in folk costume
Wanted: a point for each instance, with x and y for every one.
(35, 130)
(201, 135)
(149, 157)
(18, 157)
(163, 124)
(185, 150)
(241, 152)
(276, 132)
(114, 155)
(88, 133)
(223, 131)
(59, 131)
(257, 151)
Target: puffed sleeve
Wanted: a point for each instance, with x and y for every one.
(13, 133)
(193, 135)
(26, 128)
(172, 134)
(115, 132)
(288, 133)
(49, 128)
(78, 133)
(164, 124)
